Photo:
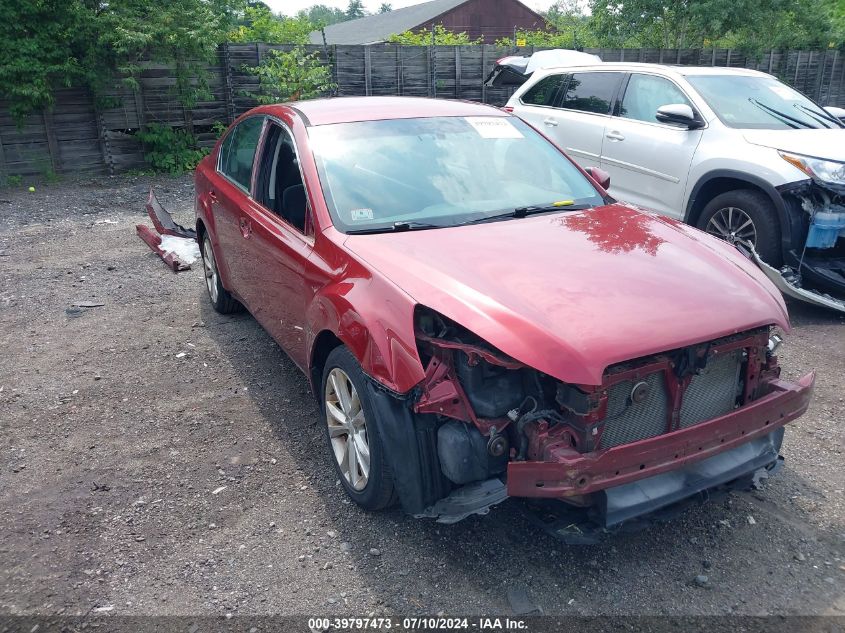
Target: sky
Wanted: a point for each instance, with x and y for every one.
(290, 7)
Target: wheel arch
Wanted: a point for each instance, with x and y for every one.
(381, 341)
(720, 181)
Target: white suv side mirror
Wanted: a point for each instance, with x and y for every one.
(678, 114)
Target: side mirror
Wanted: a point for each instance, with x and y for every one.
(600, 176)
(679, 114)
(838, 113)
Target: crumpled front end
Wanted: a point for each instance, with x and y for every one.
(672, 412)
(814, 267)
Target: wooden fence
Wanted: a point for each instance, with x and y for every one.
(77, 136)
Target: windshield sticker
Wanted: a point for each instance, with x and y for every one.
(784, 93)
(493, 127)
(361, 214)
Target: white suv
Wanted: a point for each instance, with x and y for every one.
(734, 152)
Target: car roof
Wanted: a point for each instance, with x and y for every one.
(661, 68)
(349, 109)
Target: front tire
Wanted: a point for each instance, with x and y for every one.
(744, 215)
(352, 433)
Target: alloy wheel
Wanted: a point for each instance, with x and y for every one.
(732, 224)
(210, 268)
(347, 429)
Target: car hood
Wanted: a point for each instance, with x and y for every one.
(572, 293)
(818, 143)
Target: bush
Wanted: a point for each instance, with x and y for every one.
(169, 149)
(291, 76)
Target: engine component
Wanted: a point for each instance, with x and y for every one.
(464, 454)
(492, 390)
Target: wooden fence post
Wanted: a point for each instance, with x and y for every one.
(457, 72)
(368, 70)
(52, 143)
(483, 70)
(228, 91)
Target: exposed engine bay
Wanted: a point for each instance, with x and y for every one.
(497, 418)
(815, 266)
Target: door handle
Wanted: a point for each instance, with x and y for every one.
(246, 228)
(615, 136)
(550, 122)
(212, 195)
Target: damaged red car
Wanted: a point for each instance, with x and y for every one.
(479, 319)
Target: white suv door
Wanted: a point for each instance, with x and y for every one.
(648, 161)
(573, 109)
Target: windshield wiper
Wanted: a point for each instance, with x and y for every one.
(521, 212)
(398, 227)
(819, 116)
(790, 121)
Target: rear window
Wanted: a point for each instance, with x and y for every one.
(591, 92)
(544, 91)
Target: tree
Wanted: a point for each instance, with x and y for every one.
(749, 24)
(355, 9)
(261, 25)
(441, 37)
(385, 7)
(51, 43)
(291, 76)
(321, 15)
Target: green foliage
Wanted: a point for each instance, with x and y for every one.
(53, 43)
(261, 25)
(442, 37)
(355, 9)
(385, 7)
(291, 76)
(12, 181)
(748, 24)
(171, 150)
(321, 15)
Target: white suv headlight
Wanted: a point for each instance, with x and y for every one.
(825, 170)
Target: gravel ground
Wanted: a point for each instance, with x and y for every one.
(135, 477)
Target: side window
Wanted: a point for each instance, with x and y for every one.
(591, 92)
(646, 93)
(279, 182)
(238, 151)
(544, 91)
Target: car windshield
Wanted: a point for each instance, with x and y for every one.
(749, 102)
(441, 171)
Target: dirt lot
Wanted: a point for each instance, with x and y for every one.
(114, 443)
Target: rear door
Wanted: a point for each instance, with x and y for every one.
(580, 112)
(649, 161)
(231, 196)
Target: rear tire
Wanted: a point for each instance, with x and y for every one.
(352, 433)
(748, 215)
(221, 300)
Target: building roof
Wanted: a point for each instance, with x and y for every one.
(376, 28)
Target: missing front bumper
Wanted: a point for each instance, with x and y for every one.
(573, 474)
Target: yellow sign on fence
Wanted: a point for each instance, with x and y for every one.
(520, 42)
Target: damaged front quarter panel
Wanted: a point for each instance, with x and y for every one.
(816, 262)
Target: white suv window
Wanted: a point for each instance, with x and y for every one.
(646, 93)
(543, 93)
(590, 92)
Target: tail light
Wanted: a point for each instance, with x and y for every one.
(508, 109)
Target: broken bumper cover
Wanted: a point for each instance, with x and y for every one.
(570, 474)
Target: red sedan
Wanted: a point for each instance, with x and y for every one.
(479, 319)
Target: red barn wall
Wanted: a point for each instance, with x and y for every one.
(490, 19)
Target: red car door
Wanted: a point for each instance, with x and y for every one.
(278, 243)
(230, 199)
